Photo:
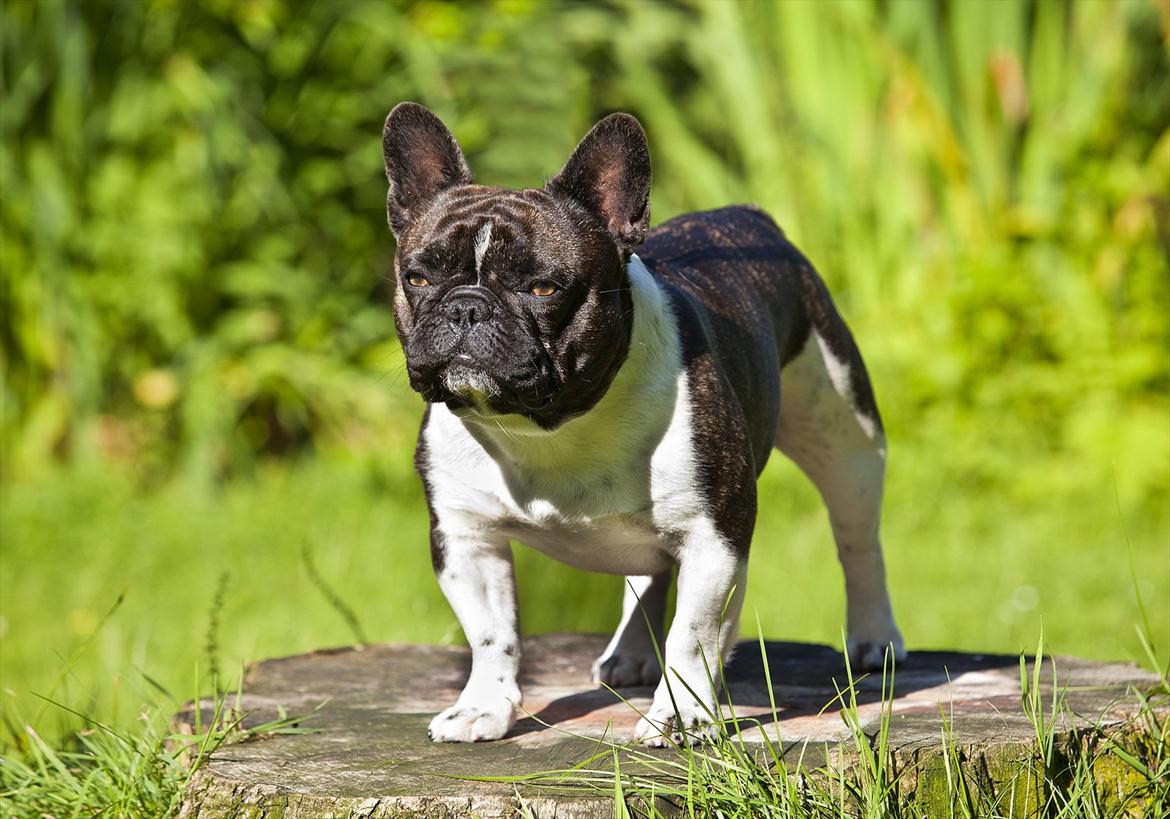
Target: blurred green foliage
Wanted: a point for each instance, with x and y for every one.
(194, 238)
(194, 230)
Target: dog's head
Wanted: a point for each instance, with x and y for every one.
(514, 301)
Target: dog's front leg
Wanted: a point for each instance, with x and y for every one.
(711, 577)
(476, 576)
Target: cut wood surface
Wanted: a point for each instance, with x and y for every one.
(369, 755)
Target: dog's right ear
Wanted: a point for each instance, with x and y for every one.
(422, 159)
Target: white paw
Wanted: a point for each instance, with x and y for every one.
(472, 723)
(621, 670)
(868, 652)
(662, 726)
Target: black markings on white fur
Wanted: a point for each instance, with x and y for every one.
(734, 277)
(636, 406)
(422, 466)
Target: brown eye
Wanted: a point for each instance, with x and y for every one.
(415, 280)
(543, 289)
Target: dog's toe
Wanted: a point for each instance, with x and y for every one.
(622, 670)
(866, 655)
(471, 723)
(660, 728)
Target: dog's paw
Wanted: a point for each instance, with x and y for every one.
(662, 726)
(869, 653)
(472, 723)
(621, 670)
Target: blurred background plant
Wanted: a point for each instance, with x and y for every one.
(199, 367)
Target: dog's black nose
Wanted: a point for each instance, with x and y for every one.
(467, 306)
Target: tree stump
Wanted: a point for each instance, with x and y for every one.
(369, 755)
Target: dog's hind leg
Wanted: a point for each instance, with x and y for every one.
(630, 659)
(830, 427)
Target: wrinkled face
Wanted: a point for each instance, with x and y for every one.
(505, 306)
(511, 301)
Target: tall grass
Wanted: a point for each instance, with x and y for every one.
(139, 772)
(1121, 771)
(953, 172)
(193, 226)
(104, 768)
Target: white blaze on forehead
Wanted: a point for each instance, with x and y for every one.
(482, 240)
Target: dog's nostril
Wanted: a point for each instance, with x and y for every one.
(468, 310)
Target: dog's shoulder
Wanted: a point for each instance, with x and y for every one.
(701, 235)
(734, 266)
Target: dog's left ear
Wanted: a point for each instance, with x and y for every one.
(609, 173)
(422, 159)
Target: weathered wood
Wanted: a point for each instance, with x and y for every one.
(370, 756)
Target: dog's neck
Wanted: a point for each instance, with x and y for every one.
(632, 413)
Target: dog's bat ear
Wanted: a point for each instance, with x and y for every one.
(422, 159)
(609, 173)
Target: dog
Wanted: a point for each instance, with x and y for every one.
(608, 395)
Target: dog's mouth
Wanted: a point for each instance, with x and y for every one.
(464, 378)
(470, 388)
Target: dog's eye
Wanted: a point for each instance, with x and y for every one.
(543, 289)
(415, 280)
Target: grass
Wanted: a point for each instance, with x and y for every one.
(976, 248)
(114, 592)
(103, 770)
(1070, 777)
(1094, 774)
(969, 571)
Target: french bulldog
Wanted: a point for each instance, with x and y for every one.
(608, 395)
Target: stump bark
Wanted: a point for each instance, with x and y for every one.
(369, 756)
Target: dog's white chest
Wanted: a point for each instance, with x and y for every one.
(608, 510)
(604, 491)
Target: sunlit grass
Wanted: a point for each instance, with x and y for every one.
(143, 770)
(731, 779)
(977, 572)
(139, 770)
